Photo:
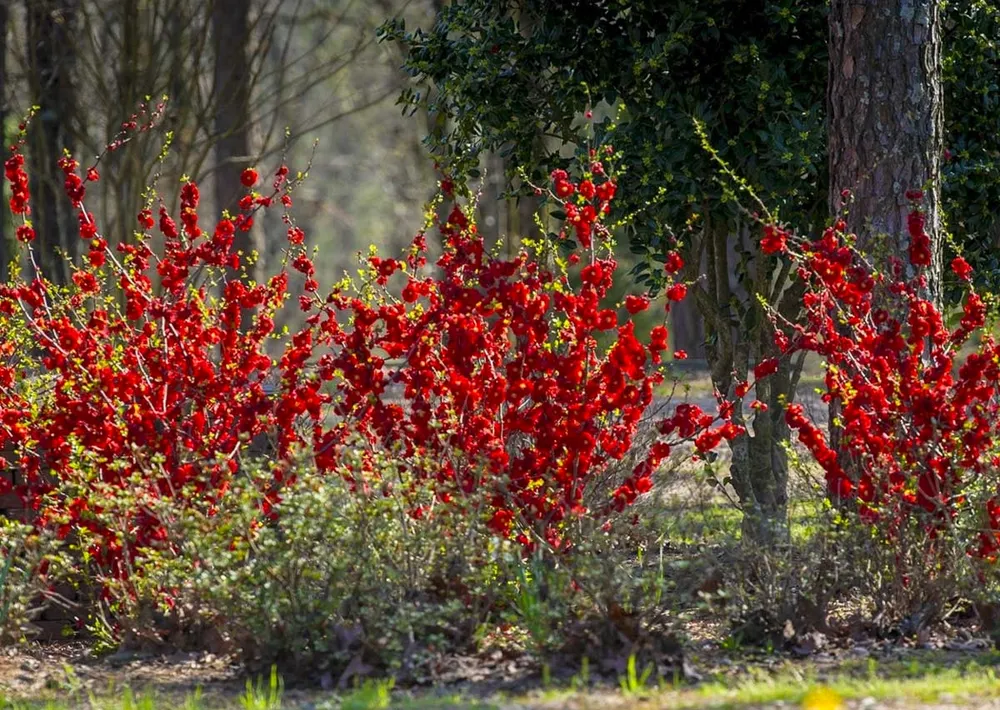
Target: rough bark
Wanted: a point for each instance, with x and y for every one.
(886, 118)
(734, 343)
(231, 40)
(51, 56)
(886, 126)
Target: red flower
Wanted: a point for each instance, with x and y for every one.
(765, 368)
(674, 263)
(85, 281)
(606, 191)
(607, 319)
(774, 240)
(658, 338)
(677, 292)
(411, 292)
(643, 485)
(249, 177)
(961, 268)
(708, 440)
(636, 304)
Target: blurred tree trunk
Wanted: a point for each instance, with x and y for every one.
(492, 208)
(51, 57)
(687, 329)
(886, 125)
(231, 39)
(886, 118)
(527, 206)
(129, 178)
(8, 249)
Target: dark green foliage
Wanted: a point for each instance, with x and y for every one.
(972, 128)
(516, 76)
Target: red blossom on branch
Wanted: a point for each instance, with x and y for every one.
(480, 374)
(919, 410)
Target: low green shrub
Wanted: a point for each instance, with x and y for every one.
(345, 576)
(333, 573)
(843, 575)
(29, 562)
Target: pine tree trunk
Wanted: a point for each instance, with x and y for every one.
(886, 127)
(886, 118)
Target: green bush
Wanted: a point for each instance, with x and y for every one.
(328, 575)
(338, 575)
(29, 562)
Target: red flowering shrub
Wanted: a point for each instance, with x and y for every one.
(148, 375)
(134, 376)
(918, 399)
(499, 372)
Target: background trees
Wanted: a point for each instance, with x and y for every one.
(754, 78)
(50, 26)
(232, 83)
(311, 66)
(501, 87)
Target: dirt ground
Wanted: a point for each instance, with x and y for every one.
(69, 673)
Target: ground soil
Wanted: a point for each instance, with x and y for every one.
(60, 671)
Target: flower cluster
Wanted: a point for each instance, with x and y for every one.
(497, 370)
(134, 376)
(149, 373)
(918, 401)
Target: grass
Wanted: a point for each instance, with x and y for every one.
(925, 678)
(259, 694)
(809, 687)
(717, 523)
(930, 683)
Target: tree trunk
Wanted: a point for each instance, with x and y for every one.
(8, 250)
(759, 469)
(231, 36)
(129, 178)
(50, 37)
(886, 119)
(687, 329)
(760, 463)
(886, 127)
